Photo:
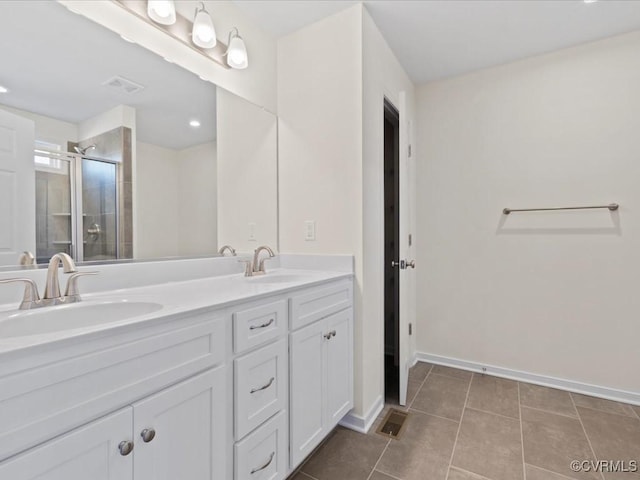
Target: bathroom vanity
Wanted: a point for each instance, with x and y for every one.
(223, 377)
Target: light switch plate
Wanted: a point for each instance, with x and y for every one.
(310, 230)
(252, 232)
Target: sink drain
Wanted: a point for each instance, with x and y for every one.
(393, 424)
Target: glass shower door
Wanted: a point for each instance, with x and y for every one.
(100, 210)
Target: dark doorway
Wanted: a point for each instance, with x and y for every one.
(391, 252)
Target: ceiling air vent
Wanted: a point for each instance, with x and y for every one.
(123, 85)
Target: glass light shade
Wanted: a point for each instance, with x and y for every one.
(203, 33)
(237, 54)
(162, 11)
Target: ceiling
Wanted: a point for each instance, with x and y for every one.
(442, 38)
(55, 62)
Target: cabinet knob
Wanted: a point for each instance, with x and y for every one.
(148, 434)
(125, 447)
(332, 333)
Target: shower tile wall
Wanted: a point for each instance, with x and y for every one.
(53, 217)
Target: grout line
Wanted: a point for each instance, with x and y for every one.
(474, 475)
(524, 465)
(492, 413)
(584, 430)
(436, 416)
(573, 417)
(636, 413)
(387, 474)
(549, 471)
(379, 458)
(419, 388)
(455, 442)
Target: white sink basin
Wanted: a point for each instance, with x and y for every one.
(67, 317)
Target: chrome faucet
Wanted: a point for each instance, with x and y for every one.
(52, 296)
(52, 287)
(27, 259)
(259, 268)
(228, 248)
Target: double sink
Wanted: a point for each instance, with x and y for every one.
(101, 312)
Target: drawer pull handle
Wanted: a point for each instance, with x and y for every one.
(148, 434)
(256, 470)
(254, 390)
(332, 333)
(264, 325)
(125, 447)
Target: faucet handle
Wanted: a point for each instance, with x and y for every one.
(248, 267)
(30, 296)
(72, 285)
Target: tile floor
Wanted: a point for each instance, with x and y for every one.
(465, 426)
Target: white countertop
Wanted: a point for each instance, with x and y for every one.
(176, 298)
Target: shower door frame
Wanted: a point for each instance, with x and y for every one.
(74, 160)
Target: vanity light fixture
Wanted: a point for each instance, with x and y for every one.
(194, 123)
(162, 11)
(236, 51)
(4, 89)
(203, 33)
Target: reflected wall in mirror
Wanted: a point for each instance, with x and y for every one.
(109, 152)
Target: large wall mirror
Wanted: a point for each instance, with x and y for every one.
(109, 152)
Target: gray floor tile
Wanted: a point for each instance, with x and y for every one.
(495, 395)
(419, 371)
(451, 372)
(613, 437)
(423, 451)
(442, 396)
(637, 410)
(553, 441)
(346, 454)
(602, 404)
(535, 473)
(300, 476)
(489, 445)
(549, 399)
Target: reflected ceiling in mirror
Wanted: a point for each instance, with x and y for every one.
(83, 85)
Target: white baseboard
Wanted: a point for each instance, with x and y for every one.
(362, 424)
(559, 383)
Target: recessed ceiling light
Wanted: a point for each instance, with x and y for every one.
(194, 123)
(3, 89)
(128, 40)
(590, 1)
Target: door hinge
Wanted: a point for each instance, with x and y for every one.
(410, 329)
(410, 239)
(409, 150)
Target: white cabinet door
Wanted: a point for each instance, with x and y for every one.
(339, 367)
(307, 370)
(185, 431)
(17, 187)
(89, 452)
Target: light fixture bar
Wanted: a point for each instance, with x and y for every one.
(180, 30)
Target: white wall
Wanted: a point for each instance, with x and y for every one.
(257, 83)
(120, 116)
(547, 293)
(320, 148)
(157, 202)
(247, 139)
(332, 80)
(176, 201)
(198, 200)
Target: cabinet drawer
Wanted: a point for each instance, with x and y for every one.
(319, 303)
(259, 324)
(261, 379)
(263, 454)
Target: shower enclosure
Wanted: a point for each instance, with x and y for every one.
(76, 206)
